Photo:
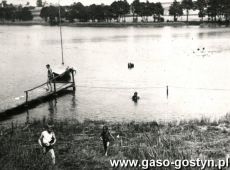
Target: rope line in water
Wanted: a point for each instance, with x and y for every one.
(199, 88)
(126, 88)
(119, 88)
(152, 87)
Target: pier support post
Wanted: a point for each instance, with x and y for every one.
(72, 73)
(54, 88)
(167, 91)
(26, 98)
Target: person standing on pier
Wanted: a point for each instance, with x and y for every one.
(47, 141)
(50, 77)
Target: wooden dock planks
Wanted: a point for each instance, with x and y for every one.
(34, 96)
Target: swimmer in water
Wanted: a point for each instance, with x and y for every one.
(135, 97)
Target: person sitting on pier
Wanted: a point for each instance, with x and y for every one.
(47, 140)
(50, 77)
(135, 97)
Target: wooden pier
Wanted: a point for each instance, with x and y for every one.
(39, 94)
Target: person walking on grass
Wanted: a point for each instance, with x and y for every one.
(106, 138)
(50, 77)
(47, 141)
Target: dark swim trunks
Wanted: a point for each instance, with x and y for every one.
(47, 148)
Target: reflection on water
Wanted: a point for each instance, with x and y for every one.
(164, 56)
(52, 112)
(74, 104)
(27, 117)
(211, 34)
(51, 115)
(52, 109)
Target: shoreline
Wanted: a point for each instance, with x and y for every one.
(115, 24)
(79, 147)
(25, 23)
(101, 24)
(95, 24)
(124, 24)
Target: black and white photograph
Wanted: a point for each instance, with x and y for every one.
(114, 84)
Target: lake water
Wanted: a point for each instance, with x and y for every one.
(193, 61)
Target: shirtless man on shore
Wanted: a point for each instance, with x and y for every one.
(47, 140)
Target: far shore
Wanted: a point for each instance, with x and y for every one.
(113, 24)
(95, 24)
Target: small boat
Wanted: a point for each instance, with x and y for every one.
(62, 73)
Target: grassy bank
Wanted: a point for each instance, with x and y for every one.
(79, 147)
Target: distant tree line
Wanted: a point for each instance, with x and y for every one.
(145, 10)
(216, 10)
(11, 13)
(117, 11)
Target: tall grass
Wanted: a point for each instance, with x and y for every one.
(79, 147)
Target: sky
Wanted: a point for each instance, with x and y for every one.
(68, 2)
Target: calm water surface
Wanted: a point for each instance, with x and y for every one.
(198, 79)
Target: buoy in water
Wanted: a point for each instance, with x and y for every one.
(167, 91)
(130, 65)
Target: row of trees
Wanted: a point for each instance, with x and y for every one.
(212, 8)
(118, 11)
(12, 13)
(147, 9)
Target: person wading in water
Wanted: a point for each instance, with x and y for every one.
(47, 141)
(135, 97)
